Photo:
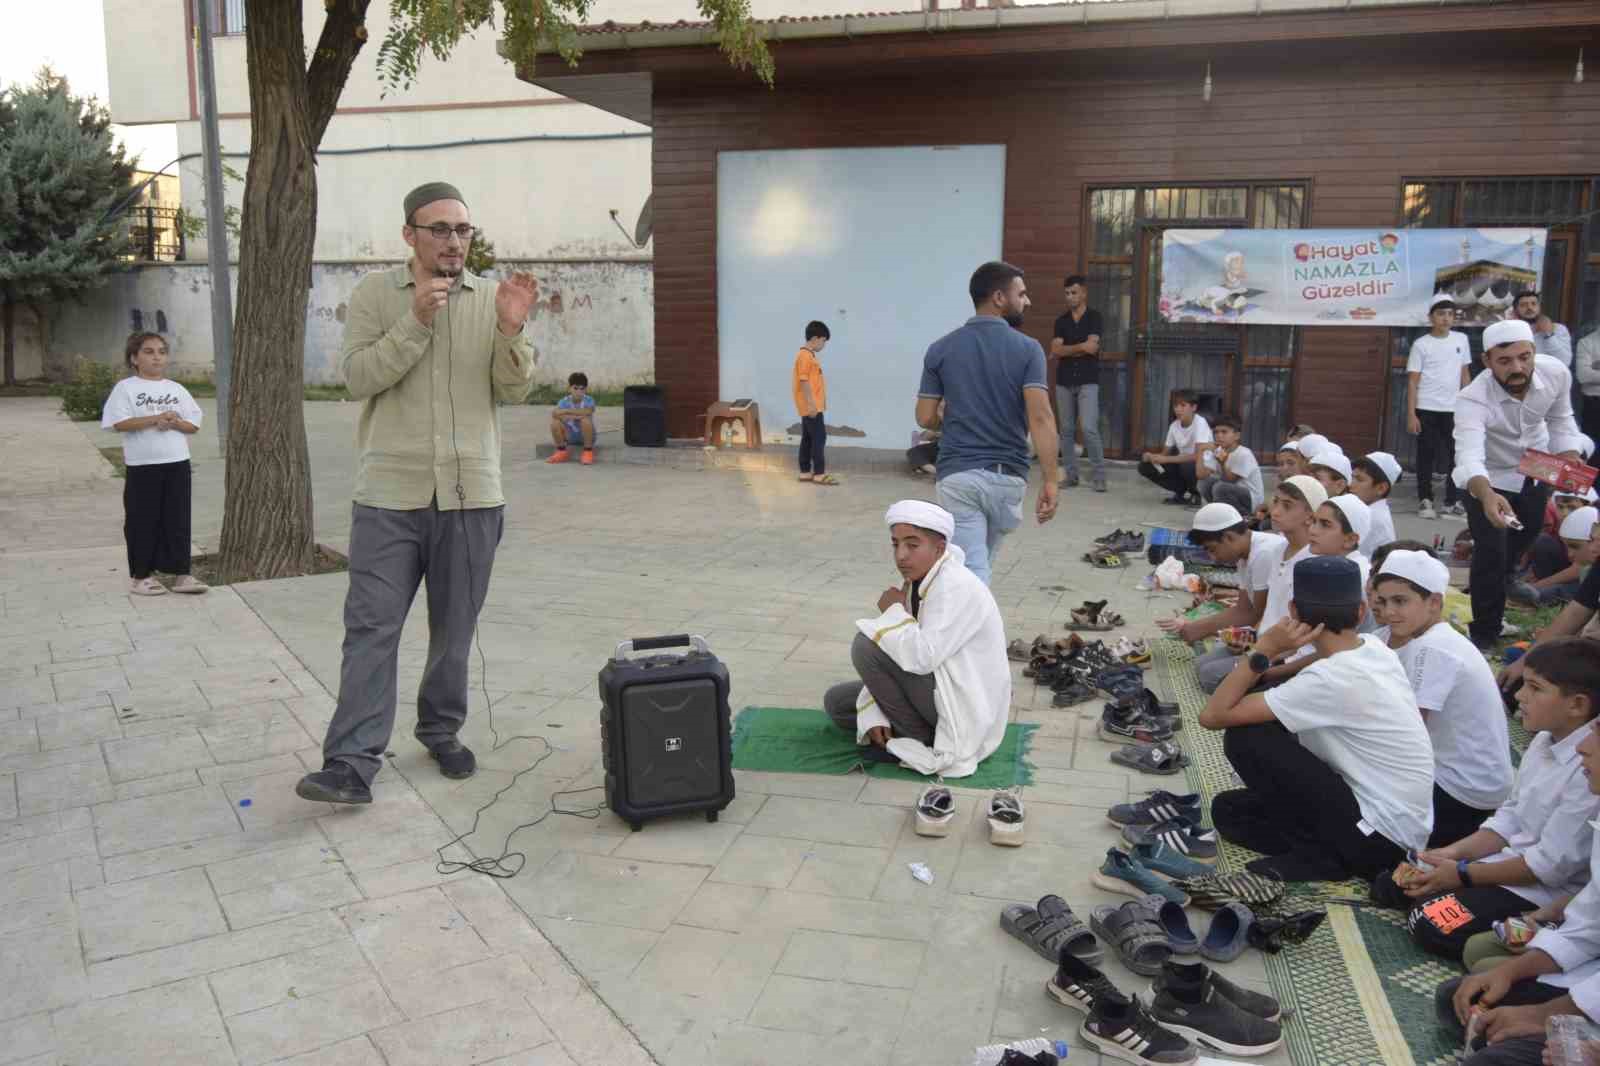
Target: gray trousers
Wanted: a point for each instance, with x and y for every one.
(1213, 666)
(1080, 405)
(391, 552)
(1216, 490)
(906, 699)
(1521, 1051)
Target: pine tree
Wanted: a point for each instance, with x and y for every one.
(61, 174)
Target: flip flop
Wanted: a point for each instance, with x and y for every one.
(825, 479)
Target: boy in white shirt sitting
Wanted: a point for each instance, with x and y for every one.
(1176, 468)
(1229, 472)
(1455, 689)
(1533, 850)
(1336, 762)
(1331, 466)
(1376, 475)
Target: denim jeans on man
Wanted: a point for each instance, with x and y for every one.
(1081, 404)
(987, 505)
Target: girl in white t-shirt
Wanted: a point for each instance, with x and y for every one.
(155, 417)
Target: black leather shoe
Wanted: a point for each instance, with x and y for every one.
(455, 759)
(336, 782)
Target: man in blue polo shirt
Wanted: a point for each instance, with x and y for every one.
(991, 378)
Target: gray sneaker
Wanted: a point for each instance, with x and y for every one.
(1199, 1011)
(1262, 1006)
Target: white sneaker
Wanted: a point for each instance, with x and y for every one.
(1455, 510)
(936, 812)
(189, 583)
(1425, 510)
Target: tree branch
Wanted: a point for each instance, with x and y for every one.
(344, 32)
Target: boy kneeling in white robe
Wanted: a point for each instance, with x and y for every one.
(935, 686)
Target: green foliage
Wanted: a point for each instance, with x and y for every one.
(480, 256)
(60, 173)
(192, 226)
(532, 27)
(85, 394)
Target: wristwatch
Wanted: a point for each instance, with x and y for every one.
(1258, 662)
(1461, 872)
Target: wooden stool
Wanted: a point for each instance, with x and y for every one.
(749, 416)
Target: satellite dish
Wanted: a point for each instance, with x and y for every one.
(642, 228)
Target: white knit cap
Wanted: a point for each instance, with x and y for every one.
(1418, 567)
(1310, 488)
(1215, 516)
(1358, 514)
(1289, 446)
(1439, 298)
(1387, 463)
(1312, 443)
(1334, 459)
(924, 514)
(1579, 524)
(1507, 331)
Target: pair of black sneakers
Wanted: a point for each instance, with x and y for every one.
(1189, 1004)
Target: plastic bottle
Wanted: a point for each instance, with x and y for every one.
(991, 1054)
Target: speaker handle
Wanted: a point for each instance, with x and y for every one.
(676, 640)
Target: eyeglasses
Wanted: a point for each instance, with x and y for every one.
(441, 231)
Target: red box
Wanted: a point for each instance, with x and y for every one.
(1568, 475)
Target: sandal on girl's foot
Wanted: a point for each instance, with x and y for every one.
(824, 479)
(146, 586)
(936, 812)
(1006, 818)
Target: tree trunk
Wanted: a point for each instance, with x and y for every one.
(9, 325)
(267, 527)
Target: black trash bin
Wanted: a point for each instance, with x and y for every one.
(644, 416)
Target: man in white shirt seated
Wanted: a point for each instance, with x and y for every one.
(1558, 973)
(1521, 401)
(935, 686)
(1336, 763)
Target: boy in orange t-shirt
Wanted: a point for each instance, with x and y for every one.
(811, 400)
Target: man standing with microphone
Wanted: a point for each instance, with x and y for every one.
(1521, 401)
(429, 349)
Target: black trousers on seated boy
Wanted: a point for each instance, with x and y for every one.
(1296, 810)
(1517, 1051)
(1176, 478)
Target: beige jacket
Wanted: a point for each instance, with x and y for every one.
(428, 419)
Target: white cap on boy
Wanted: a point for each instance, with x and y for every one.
(1579, 524)
(1335, 460)
(1418, 567)
(1215, 516)
(1387, 463)
(1310, 488)
(1312, 443)
(1289, 446)
(1358, 514)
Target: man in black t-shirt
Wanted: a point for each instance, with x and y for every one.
(1075, 354)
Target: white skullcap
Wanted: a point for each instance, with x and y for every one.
(1289, 446)
(1579, 524)
(924, 514)
(1215, 516)
(1312, 443)
(1420, 568)
(1440, 298)
(1507, 331)
(1387, 463)
(1358, 514)
(1310, 488)
(1334, 459)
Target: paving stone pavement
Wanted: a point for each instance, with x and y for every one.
(165, 897)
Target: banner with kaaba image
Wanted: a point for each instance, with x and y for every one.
(1355, 277)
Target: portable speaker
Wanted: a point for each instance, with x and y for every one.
(665, 730)
(644, 416)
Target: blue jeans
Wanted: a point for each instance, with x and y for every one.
(987, 505)
(1081, 403)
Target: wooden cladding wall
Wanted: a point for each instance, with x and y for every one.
(1352, 123)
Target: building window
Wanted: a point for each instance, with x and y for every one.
(1143, 358)
(227, 17)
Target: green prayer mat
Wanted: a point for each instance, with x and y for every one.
(1360, 991)
(793, 740)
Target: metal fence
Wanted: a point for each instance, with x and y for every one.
(154, 234)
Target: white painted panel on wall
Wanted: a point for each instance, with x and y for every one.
(878, 243)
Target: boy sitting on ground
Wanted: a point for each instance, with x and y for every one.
(935, 686)
(1331, 466)
(1176, 468)
(1225, 534)
(1555, 564)
(1455, 690)
(1336, 763)
(572, 422)
(1229, 471)
(1376, 475)
(1534, 850)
